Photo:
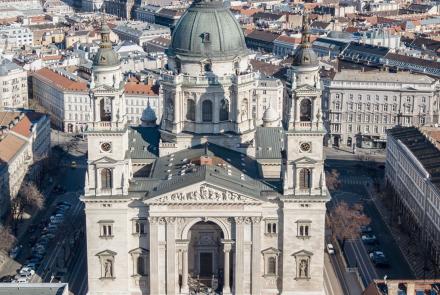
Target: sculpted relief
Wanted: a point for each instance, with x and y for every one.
(205, 194)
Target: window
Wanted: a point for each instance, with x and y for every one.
(270, 256)
(377, 97)
(207, 67)
(385, 108)
(106, 178)
(224, 110)
(190, 110)
(271, 226)
(351, 96)
(207, 111)
(368, 106)
(140, 226)
(368, 97)
(359, 107)
(305, 177)
(394, 107)
(385, 98)
(360, 96)
(306, 110)
(106, 228)
(139, 258)
(303, 228)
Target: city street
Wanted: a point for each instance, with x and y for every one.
(355, 178)
(65, 258)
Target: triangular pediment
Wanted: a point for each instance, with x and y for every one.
(306, 89)
(104, 160)
(203, 193)
(103, 87)
(271, 250)
(302, 253)
(305, 160)
(106, 253)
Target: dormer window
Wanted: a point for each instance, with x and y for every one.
(206, 38)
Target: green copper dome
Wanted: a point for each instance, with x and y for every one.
(208, 30)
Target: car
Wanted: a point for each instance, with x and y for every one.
(6, 279)
(52, 218)
(20, 280)
(330, 249)
(366, 229)
(378, 258)
(26, 271)
(56, 221)
(369, 239)
(52, 228)
(32, 265)
(73, 165)
(64, 203)
(48, 236)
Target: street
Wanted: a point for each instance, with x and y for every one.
(65, 255)
(356, 179)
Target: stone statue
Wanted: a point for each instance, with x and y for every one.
(170, 110)
(244, 110)
(108, 268)
(303, 268)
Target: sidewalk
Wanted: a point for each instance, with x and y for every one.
(408, 247)
(359, 155)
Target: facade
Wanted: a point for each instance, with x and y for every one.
(142, 98)
(17, 35)
(412, 164)
(359, 106)
(120, 8)
(13, 85)
(184, 206)
(140, 32)
(25, 140)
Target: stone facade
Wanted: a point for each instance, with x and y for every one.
(360, 106)
(183, 208)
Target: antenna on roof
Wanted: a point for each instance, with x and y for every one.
(206, 148)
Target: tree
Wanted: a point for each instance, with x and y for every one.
(346, 221)
(29, 198)
(7, 240)
(332, 180)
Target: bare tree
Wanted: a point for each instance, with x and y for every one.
(7, 240)
(346, 221)
(29, 198)
(332, 179)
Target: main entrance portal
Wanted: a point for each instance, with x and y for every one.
(206, 258)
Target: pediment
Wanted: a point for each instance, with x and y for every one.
(271, 250)
(306, 89)
(103, 87)
(305, 160)
(302, 253)
(204, 193)
(106, 253)
(104, 160)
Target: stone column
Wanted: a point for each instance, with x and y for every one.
(227, 246)
(184, 289)
(154, 265)
(239, 251)
(171, 255)
(256, 255)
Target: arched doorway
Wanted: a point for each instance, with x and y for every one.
(205, 257)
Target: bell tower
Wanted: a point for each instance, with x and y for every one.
(302, 173)
(108, 170)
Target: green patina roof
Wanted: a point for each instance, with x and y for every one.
(226, 38)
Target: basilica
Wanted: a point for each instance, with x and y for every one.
(224, 192)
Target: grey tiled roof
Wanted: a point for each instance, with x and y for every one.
(230, 169)
(269, 142)
(143, 143)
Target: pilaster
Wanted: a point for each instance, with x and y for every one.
(154, 263)
(239, 251)
(256, 255)
(171, 276)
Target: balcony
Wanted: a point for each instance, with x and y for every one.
(106, 126)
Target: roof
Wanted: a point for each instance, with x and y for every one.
(7, 66)
(376, 76)
(34, 289)
(23, 127)
(269, 142)
(208, 30)
(140, 88)
(60, 81)
(143, 143)
(424, 63)
(262, 36)
(422, 148)
(10, 145)
(288, 39)
(364, 52)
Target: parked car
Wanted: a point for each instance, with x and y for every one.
(52, 228)
(369, 239)
(64, 203)
(32, 265)
(379, 258)
(6, 279)
(330, 249)
(73, 164)
(56, 221)
(26, 271)
(20, 280)
(366, 229)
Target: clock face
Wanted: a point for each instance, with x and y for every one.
(305, 146)
(106, 146)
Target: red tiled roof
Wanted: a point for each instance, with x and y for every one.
(140, 88)
(60, 81)
(23, 127)
(9, 147)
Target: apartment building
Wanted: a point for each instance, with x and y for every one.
(13, 85)
(412, 171)
(359, 107)
(17, 34)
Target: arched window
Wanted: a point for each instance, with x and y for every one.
(106, 109)
(306, 110)
(106, 178)
(207, 67)
(224, 110)
(271, 266)
(305, 178)
(207, 111)
(190, 110)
